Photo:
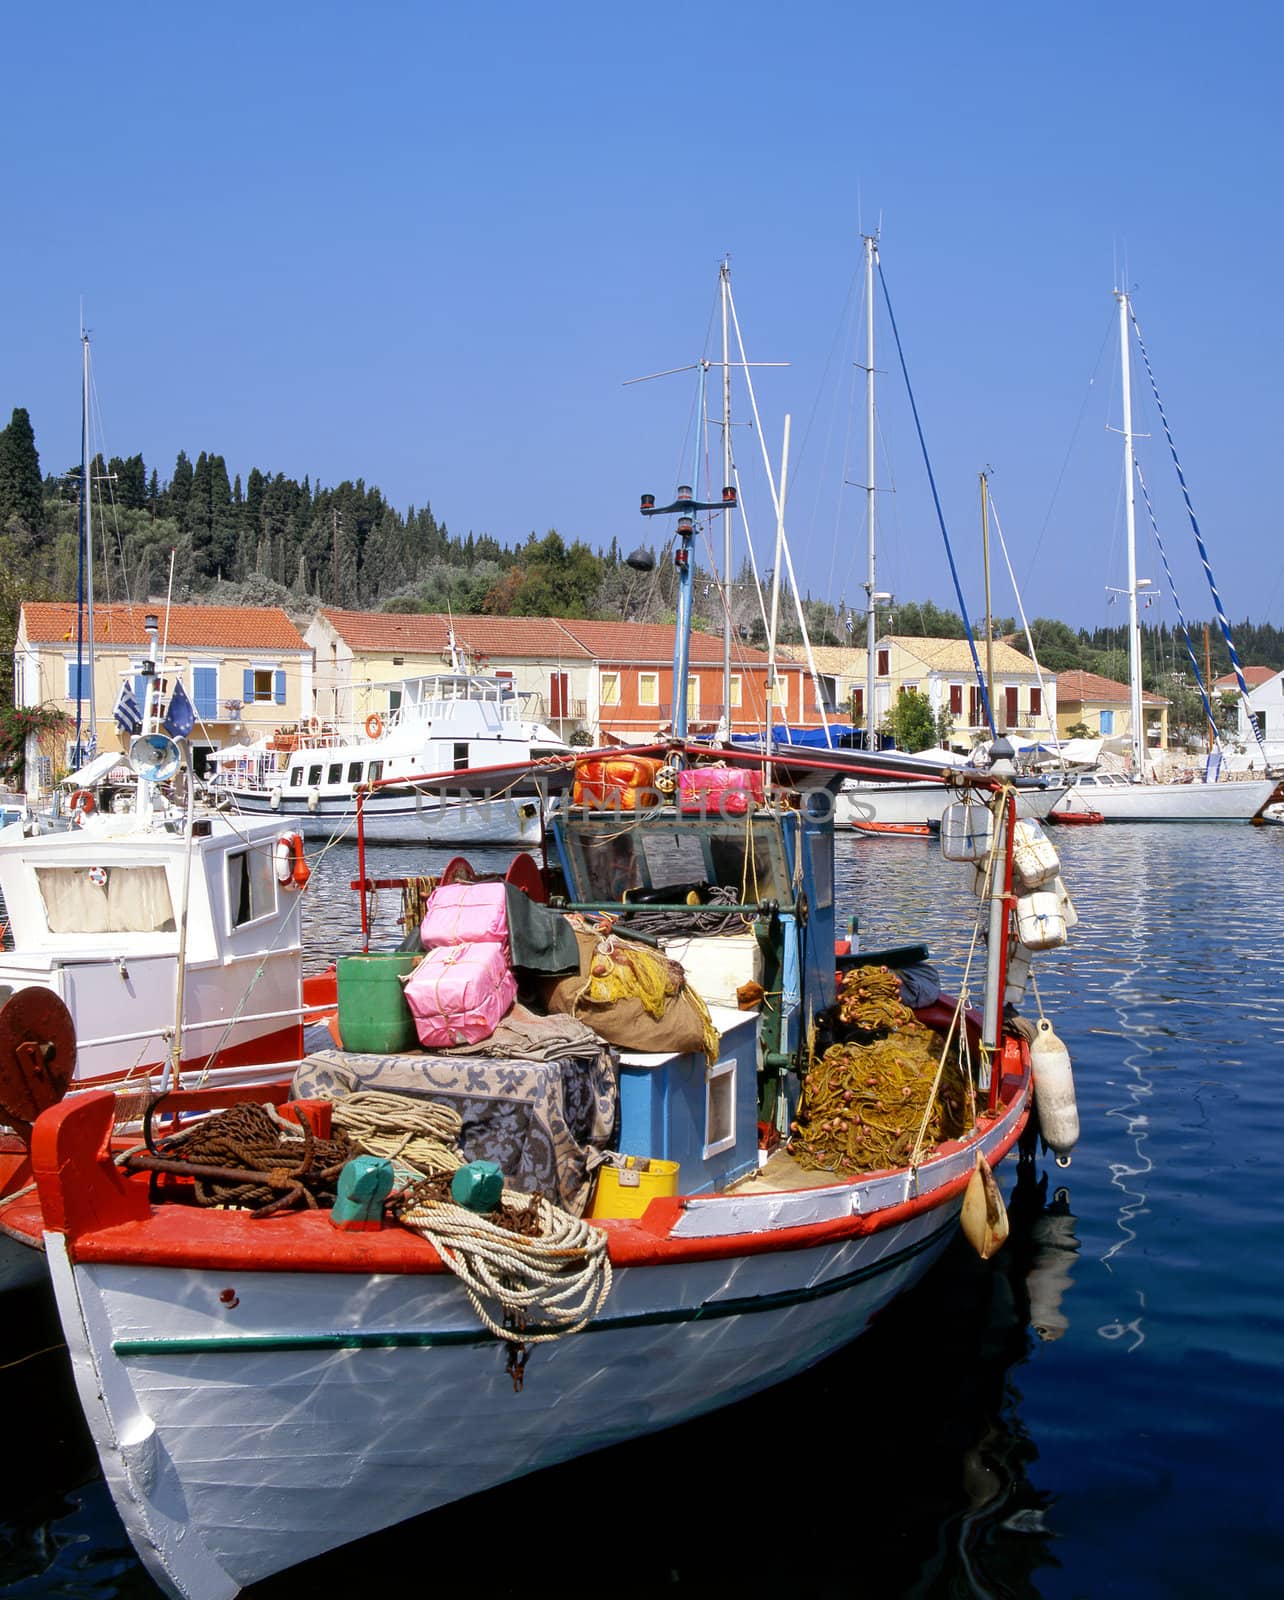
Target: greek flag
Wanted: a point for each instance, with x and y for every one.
(128, 717)
(180, 719)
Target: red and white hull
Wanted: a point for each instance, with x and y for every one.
(260, 1392)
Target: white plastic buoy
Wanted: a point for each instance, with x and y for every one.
(984, 1218)
(1054, 1093)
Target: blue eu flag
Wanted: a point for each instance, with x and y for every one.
(180, 719)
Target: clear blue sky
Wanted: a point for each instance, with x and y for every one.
(426, 243)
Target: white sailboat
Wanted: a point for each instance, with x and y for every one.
(873, 806)
(1145, 798)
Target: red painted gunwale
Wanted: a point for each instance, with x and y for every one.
(107, 1216)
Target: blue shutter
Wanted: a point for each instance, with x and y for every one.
(278, 688)
(77, 680)
(205, 692)
(247, 692)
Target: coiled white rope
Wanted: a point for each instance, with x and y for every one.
(422, 1133)
(560, 1279)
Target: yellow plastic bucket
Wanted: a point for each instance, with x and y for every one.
(627, 1189)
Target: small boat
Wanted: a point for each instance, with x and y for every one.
(268, 1375)
(1079, 819)
(457, 719)
(884, 830)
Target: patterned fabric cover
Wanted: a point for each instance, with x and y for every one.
(547, 1123)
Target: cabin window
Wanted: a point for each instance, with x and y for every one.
(314, 777)
(251, 885)
(354, 771)
(956, 699)
(610, 688)
(883, 663)
(296, 777)
(720, 1109)
(334, 772)
(106, 899)
(1036, 701)
(461, 758)
(1088, 783)
(376, 771)
(648, 688)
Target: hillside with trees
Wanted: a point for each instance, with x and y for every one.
(277, 540)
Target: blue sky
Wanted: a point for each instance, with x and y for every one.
(426, 245)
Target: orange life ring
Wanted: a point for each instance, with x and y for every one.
(82, 800)
(290, 864)
(374, 725)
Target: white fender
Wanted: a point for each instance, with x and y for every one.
(1054, 1092)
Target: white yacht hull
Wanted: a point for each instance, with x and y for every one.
(919, 804)
(1170, 802)
(413, 819)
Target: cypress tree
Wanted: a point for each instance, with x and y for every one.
(21, 489)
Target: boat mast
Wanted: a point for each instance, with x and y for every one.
(989, 621)
(87, 553)
(1130, 504)
(871, 603)
(724, 283)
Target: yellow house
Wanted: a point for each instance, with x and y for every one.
(245, 669)
(1104, 707)
(943, 670)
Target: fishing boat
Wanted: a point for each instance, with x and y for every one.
(1141, 797)
(264, 1384)
(457, 719)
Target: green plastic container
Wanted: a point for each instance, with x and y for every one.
(373, 1014)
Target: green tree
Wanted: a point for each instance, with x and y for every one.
(21, 486)
(910, 721)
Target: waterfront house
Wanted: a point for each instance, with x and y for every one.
(1104, 707)
(246, 670)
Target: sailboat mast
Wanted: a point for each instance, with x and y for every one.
(989, 619)
(871, 604)
(87, 538)
(725, 291)
(1130, 504)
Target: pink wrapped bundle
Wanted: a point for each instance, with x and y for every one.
(725, 791)
(458, 993)
(465, 913)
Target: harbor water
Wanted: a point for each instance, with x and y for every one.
(1096, 1412)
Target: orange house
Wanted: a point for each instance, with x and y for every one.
(635, 695)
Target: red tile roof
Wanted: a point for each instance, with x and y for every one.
(542, 637)
(223, 627)
(1254, 677)
(653, 641)
(1073, 688)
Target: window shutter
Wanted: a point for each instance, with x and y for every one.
(278, 688)
(247, 688)
(205, 692)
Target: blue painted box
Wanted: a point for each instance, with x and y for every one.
(679, 1108)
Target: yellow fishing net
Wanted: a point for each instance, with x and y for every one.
(620, 971)
(863, 1104)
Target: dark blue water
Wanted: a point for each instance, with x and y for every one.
(1131, 1448)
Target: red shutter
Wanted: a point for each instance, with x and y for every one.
(557, 694)
(1010, 695)
(956, 699)
(1036, 702)
(974, 707)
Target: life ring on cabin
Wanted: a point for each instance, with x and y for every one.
(290, 864)
(374, 725)
(82, 800)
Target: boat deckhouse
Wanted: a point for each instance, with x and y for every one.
(1103, 706)
(246, 670)
(943, 670)
(610, 680)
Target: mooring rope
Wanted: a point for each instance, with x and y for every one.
(560, 1275)
(421, 1133)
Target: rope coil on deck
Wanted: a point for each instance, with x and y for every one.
(422, 1133)
(560, 1275)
